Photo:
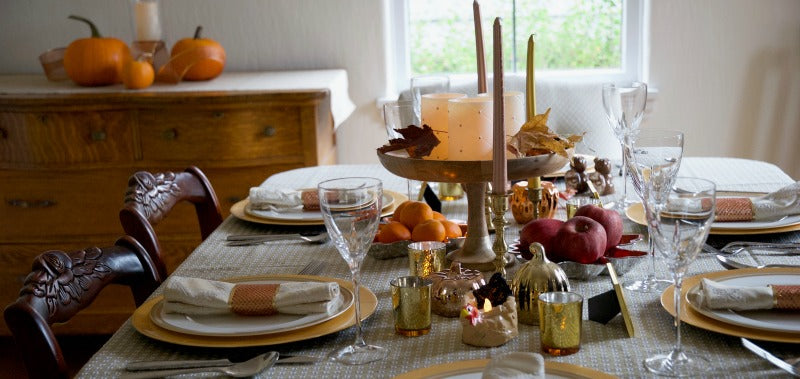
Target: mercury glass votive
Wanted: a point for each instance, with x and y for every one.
(426, 257)
(560, 319)
(411, 305)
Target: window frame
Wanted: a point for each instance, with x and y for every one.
(634, 49)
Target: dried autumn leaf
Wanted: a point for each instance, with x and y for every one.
(535, 137)
(418, 142)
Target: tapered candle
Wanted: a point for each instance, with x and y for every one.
(530, 83)
(499, 173)
(476, 14)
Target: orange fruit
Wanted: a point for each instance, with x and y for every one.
(392, 232)
(415, 213)
(451, 229)
(398, 211)
(438, 216)
(430, 230)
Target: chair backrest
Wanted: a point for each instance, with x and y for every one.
(60, 285)
(150, 197)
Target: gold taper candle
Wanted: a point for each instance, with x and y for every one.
(476, 13)
(498, 136)
(530, 83)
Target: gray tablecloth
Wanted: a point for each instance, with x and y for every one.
(605, 347)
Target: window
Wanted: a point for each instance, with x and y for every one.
(600, 38)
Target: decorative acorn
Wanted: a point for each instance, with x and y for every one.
(536, 276)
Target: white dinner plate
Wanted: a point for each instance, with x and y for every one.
(303, 215)
(473, 369)
(231, 325)
(636, 214)
(772, 320)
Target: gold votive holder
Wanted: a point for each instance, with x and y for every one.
(411, 305)
(450, 191)
(576, 202)
(426, 257)
(560, 319)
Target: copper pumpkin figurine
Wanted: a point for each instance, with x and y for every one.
(450, 289)
(522, 207)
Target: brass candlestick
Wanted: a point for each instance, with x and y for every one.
(535, 196)
(487, 208)
(500, 248)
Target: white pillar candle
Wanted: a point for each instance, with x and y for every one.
(470, 129)
(148, 25)
(514, 108)
(434, 114)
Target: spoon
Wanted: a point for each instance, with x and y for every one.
(239, 370)
(257, 239)
(732, 265)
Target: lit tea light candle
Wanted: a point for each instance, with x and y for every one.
(491, 326)
(434, 114)
(148, 25)
(470, 129)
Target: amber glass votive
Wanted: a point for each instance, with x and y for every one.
(560, 319)
(411, 305)
(426, 257)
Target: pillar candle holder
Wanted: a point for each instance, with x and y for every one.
(500, 248)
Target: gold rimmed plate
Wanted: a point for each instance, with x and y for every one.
(636, 214)
(691, 316)
(369, 303)
(473, 369)
(240, 211)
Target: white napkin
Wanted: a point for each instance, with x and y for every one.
(195, 296)
(783, 202)
(515, 366)
(713, 295)
(275, 199)
(774, 205)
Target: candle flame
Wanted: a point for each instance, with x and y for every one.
(487, 305)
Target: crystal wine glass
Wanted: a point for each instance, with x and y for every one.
(680, 225)
(624, 105)
(398, 115)
(351, 209)
(654, 157)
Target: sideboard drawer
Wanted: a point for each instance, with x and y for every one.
(66, 137)
(39, 204)
(203, 134)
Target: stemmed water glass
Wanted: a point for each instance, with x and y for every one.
(654, 157)
(624, 105)
(351, 209)
(398, 115)
(425, 84)
(680, 226)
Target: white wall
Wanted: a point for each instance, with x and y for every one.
(728, 71)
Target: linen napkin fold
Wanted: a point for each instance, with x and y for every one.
(774, 205)
(283, 199)
(195, 296)
(713, 295)
(518, 365)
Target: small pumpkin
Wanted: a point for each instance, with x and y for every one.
(137, 74)
(208, 56)
(95, 61)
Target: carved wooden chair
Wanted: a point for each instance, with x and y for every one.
(150, 197)
(60, 285)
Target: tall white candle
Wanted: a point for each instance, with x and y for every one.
(470, 129)
(434, 114)
(148, 25)
(514, 109)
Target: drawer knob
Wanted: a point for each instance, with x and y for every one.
(3, 133)
(98, 135)
(268, 131)
(42, 118)
(218, 115)
(19, 203)
(170, 134)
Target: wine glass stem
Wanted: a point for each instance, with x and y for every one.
(624, 174)
(356, 274)
(677, 298)
(652, 250)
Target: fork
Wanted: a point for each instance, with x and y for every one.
(312, 268)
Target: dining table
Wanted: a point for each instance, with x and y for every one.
(607, 348)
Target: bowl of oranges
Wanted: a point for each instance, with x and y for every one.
(414, 221)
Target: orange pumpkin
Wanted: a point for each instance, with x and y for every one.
(95, 61)
(204, 57)
(137, 74)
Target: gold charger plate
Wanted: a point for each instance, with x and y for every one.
(692, 317)
(238, 210)
(369, 303)
(635, 213)
(445, 370)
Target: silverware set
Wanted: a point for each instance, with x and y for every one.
(257, 239)
(253, 366)
(791, 366)
(734, 248)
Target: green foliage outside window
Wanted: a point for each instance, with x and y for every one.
(569, 34)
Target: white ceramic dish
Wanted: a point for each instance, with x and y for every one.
(231, 325)
(303, 215)
(772, 320)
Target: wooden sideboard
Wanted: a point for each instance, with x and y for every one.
(65, 159)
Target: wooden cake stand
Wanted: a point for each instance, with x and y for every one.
(476, 253)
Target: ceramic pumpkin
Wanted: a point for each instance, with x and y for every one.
(95, 61)
(204, 58)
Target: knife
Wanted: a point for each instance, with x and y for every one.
(771, 358)
(196, 363)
